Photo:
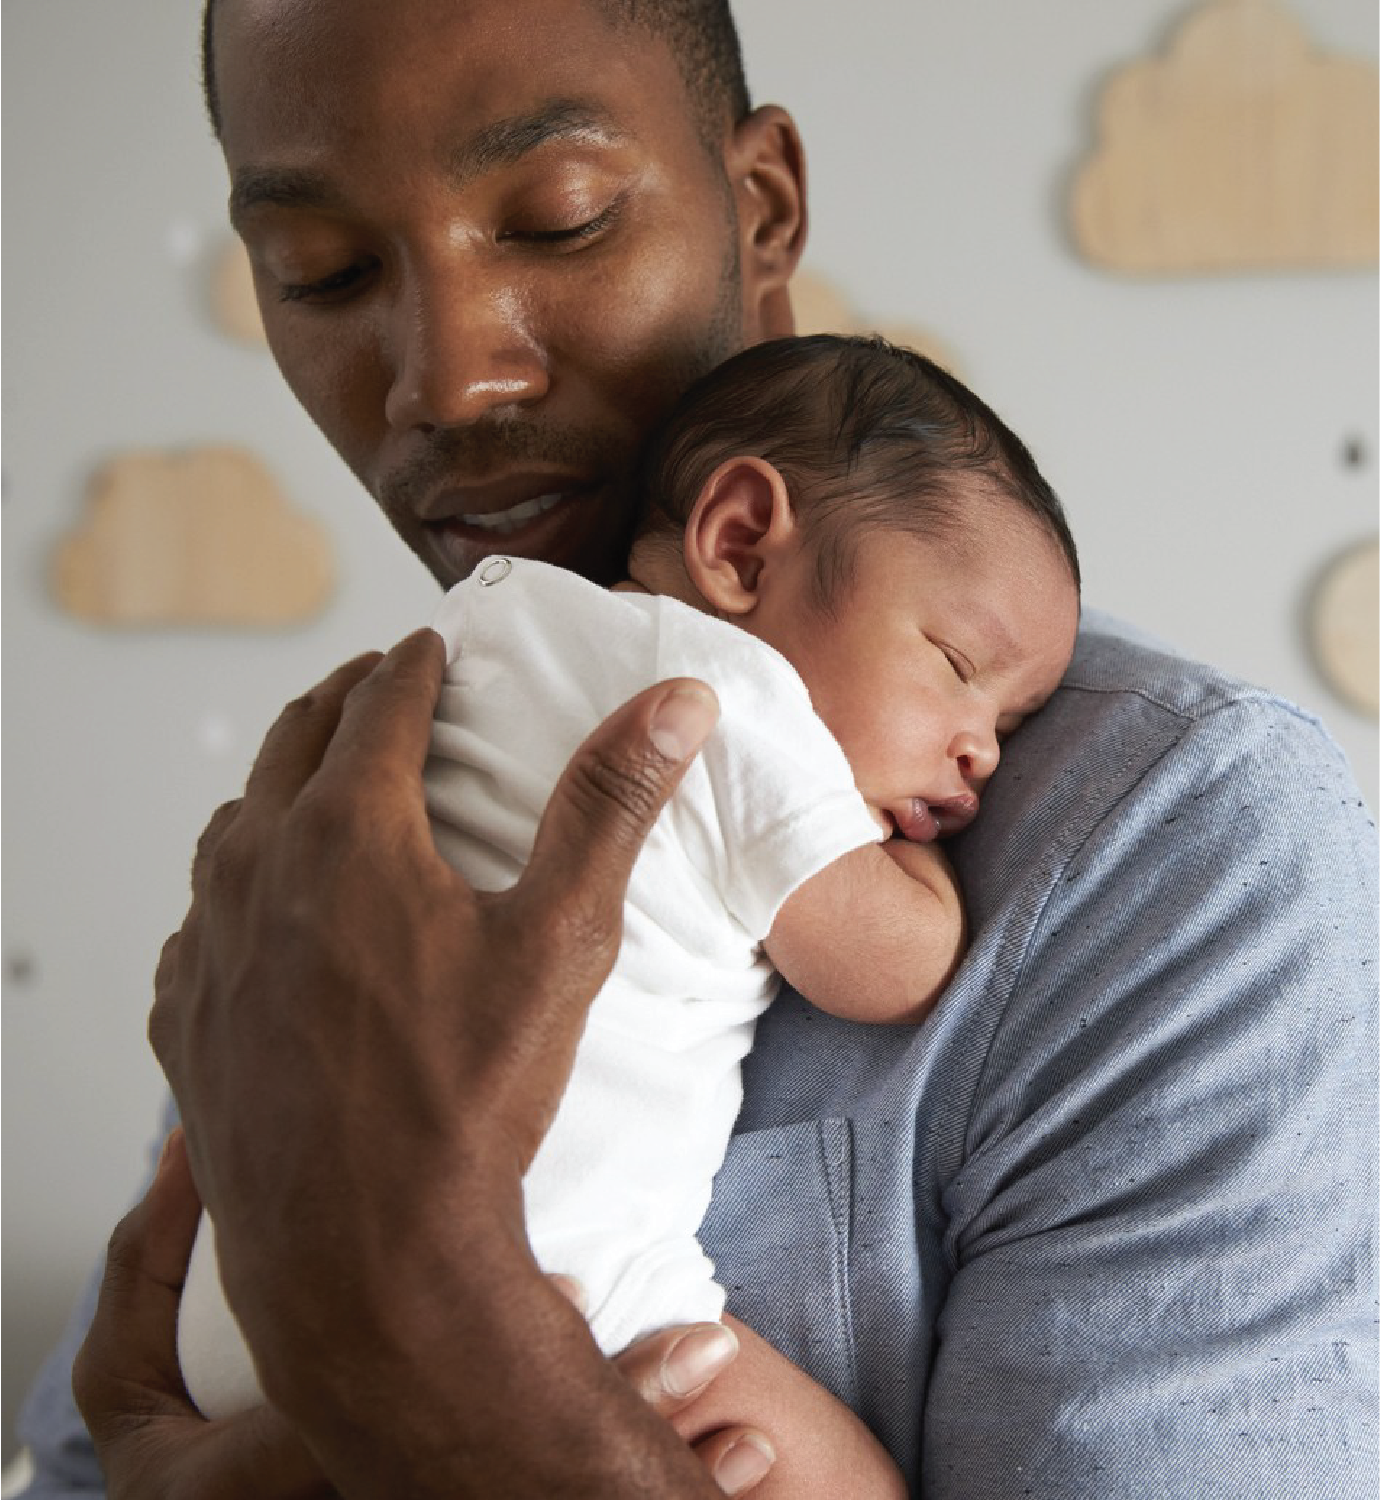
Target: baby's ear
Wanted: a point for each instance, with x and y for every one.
(740, 526)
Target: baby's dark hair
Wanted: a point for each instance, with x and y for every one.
(838, 417)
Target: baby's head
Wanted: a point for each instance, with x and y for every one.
(860, 510)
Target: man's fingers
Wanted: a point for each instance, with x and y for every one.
(217, 827)
(133, 1329)
(672, 1368)
(372, 769)
(610, 794)
(572, 1289)
(295, 744)
(157, 1236)
(385, 728)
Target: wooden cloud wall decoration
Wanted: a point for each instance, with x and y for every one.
(202, 537)
(233, 297)
(1242, 148)
(820, 306)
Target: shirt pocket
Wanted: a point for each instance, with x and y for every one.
(777, 1231)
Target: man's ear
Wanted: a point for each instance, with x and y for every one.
(766, 169)
(741, 525)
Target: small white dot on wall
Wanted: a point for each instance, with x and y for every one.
(215, 734)
(182, 241)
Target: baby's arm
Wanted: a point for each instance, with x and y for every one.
(874, 936)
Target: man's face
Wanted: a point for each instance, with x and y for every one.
(490, 250)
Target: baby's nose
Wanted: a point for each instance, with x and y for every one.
(977, 756)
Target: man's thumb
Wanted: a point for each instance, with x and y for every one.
(608, 798)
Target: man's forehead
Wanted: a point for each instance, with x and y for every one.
(477, 34)
(519, 67)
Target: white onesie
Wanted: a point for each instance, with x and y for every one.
(537, 657)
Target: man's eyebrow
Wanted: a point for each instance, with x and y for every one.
(283, 187)
(503, 142)
(498, 144)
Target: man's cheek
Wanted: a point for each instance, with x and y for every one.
(672, 326)
(343, 387)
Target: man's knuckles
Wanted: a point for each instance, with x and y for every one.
(594, 827)
(327, 697)
(217, 826)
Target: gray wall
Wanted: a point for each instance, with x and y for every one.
(1194, 428)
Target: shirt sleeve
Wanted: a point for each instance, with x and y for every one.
(1161, 1233)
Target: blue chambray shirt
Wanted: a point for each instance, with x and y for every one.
(1104, 1224)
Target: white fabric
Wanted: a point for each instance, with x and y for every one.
(537, 657)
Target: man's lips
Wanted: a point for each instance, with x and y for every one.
(503, 522)
(502, 504)
(461, 527)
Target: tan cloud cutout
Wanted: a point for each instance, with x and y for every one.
(233, 297)
(1242, 147)
(1343, 626)
(821, 307)
(202, 537)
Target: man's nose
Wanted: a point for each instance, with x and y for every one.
(461, 347)
(976, 753)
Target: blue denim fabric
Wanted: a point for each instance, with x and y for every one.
(1104, 1225)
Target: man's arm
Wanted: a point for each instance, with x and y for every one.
(1161, 1231)
(154, 1445)
(254, 1453)
(841, 938)
(376, 1256)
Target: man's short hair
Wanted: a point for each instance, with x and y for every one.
(865, 434)
(700, 35)
(702, 39)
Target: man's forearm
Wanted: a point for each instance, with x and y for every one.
(375, 1257)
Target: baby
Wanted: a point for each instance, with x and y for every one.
(867, 567)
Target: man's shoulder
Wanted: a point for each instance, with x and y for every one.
(1136, 735)
(1115, 660)
(1129, 702)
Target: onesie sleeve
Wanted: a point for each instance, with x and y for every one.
(786, 803)
(1161, 1232)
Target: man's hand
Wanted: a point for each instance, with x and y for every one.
(154, 1445)
(150, 1440)
(366, 1053)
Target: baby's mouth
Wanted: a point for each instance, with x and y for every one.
(917, 821)
(922, 822)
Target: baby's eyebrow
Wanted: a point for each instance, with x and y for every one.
(991, 631)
